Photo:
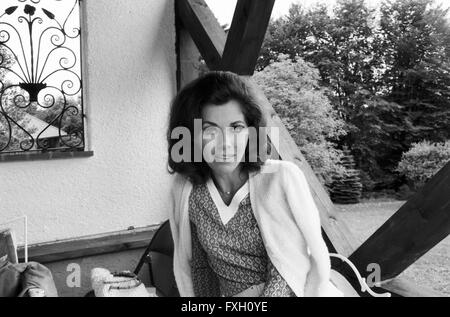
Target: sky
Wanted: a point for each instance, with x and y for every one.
(224, 9)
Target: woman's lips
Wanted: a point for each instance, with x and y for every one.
(227, 158)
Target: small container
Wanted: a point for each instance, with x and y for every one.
(36, 292)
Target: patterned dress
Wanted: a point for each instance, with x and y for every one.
(229, 258)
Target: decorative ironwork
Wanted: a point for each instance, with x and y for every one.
(41, 106)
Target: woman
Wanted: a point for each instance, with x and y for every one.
(242, 225)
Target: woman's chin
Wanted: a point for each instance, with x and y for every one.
(225, 165)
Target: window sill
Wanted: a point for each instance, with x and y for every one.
(44, 156)
(93, 245)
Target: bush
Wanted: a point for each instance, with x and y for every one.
(293, 89)
(324, 160)
(423, 161)
(346, 189)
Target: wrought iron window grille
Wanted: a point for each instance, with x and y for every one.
(41, 103)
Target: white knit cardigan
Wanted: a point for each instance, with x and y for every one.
(289, 223)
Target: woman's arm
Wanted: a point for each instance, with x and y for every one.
(307, 217)
(205, 281)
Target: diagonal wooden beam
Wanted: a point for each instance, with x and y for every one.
(246, 35)
(336, 231)
(412, 231)
(209, 37)
(402, 287)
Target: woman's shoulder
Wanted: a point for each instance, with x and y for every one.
(283, 173)
(281, 168)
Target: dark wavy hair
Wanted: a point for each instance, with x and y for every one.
(213, 88)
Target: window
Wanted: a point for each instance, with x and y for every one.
(41, 104)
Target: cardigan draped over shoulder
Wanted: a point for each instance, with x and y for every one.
(287, 218)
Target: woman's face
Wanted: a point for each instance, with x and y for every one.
(224, 137)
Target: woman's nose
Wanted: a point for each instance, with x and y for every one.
(228, 140)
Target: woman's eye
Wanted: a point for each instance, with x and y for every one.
(209, 130)
(216, 130)
(238, 128)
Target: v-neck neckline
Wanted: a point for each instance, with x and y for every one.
(226, 213)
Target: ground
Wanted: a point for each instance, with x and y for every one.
(432, 270)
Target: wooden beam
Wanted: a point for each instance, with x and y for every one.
(398, 287)
(89, 245)
(401, 287)
(208, 35)
(412, 231)
(246, 35)
(240, 50)
(334, 227)
(188, 59)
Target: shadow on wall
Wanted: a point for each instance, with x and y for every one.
(159, 51)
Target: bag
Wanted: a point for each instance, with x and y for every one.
(16, 280)
(123, 284)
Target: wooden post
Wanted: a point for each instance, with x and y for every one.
(246, 35)
(188, 59)
(209, 37)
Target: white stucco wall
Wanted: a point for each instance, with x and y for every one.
(129, 80)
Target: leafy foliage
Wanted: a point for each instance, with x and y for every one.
(387, 74)
(423, 161)
(293, 89)
(10, 134)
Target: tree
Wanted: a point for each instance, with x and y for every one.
(6, 61)
(287, 35)
(415, 47)
(293, 89)
(388, 79)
